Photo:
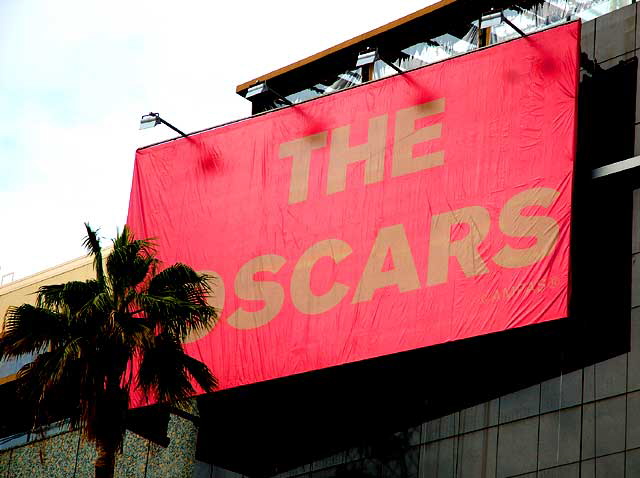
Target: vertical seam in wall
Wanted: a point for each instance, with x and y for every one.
(560, 388)
(75, 467)
(560, 404)
(595, 32)
(146, 463)
(581, 426)
(633, 233)
(498, 435)
(457, 448)
(538, 438)
(635, 31)
(633, 212)
(486, 436)
(595, 415)
(626, 412)
(454, 450)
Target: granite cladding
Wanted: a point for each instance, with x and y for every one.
(66, 456)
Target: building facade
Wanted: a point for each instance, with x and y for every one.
(560, 399)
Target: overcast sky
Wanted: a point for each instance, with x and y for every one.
(75, 76)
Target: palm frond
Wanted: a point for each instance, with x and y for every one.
(30, 388)
(180, 279)
(29, 329)
(92, 244)
(37, 379)
(161, 376)
(71, 296)
(176, 299)
(166, 372)
(200, 373)
(96, 310)
(130, 262)
(146, 247)
(128, 333)
(176, 317)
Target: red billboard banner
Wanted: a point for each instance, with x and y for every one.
(416, 210)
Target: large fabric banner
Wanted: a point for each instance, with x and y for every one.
(416, 210)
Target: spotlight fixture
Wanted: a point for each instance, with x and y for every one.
(153, 119)
(367, 57)
(495, 18)
(370, 56)
(262, 89)
(149, 121)
(491, 19)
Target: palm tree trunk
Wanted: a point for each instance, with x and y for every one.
(109, 425)
(106, 460)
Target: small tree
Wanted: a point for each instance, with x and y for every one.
(103, 338)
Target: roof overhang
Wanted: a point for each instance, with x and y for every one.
(242, 88)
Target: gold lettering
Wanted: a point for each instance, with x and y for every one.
(441, 247)
(545, 229)
(407, 136)
(301, 295)
(392, 239)
(342, 155)
(249, 289)
(300, 150)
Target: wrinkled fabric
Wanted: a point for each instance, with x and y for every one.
(362, 224)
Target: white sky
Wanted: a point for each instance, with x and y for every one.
(75, 77)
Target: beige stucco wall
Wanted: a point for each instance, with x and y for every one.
(23, 291)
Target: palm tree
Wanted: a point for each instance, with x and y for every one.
(102, 339)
